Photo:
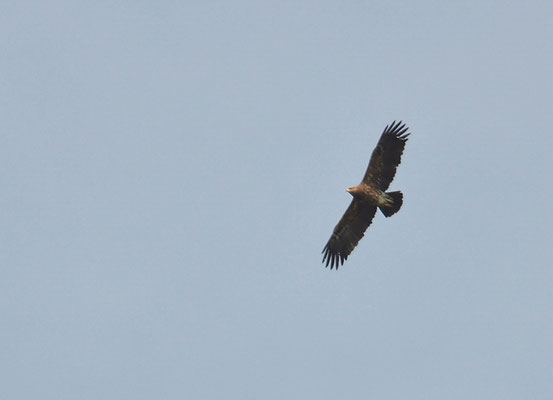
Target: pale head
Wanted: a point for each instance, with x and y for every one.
(354, 191)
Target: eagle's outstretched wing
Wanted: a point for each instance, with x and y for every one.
(386, 156)
(348, 232)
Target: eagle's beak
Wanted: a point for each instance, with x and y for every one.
(348, 190)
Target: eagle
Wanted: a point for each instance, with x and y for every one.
(369, 195)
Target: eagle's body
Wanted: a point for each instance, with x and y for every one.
(369, 195)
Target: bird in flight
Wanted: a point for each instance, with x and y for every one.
(369, 195)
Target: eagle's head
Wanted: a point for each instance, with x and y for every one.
(355, 191)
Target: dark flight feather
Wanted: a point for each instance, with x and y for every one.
(386, 156)
(348, 233)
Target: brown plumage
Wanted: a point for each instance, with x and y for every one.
(369, 195)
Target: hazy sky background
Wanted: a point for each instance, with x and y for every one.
(172, 170)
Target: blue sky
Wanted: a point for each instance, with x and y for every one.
(172, 171)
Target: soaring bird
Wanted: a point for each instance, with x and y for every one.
(369, 195)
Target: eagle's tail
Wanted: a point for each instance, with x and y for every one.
(397, 198)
